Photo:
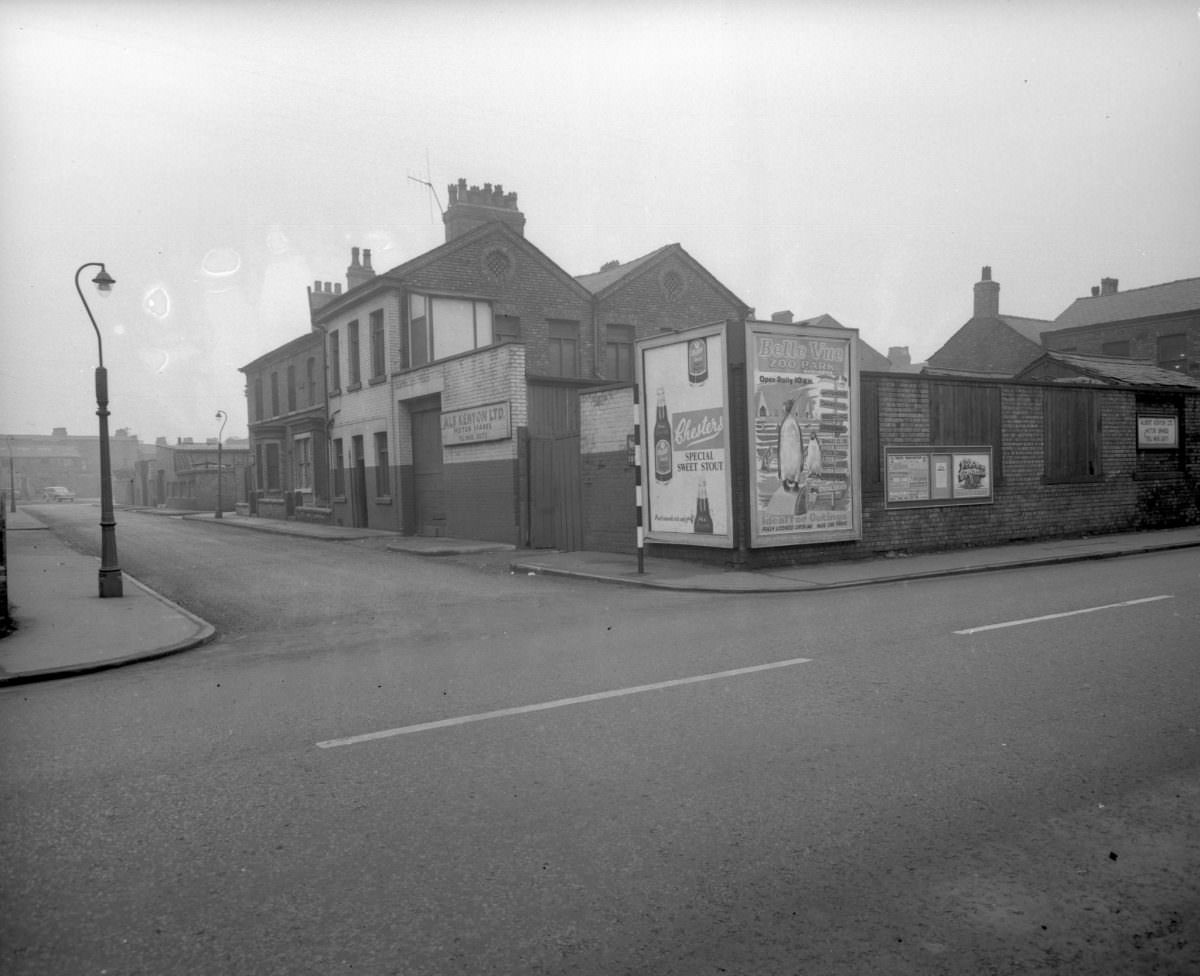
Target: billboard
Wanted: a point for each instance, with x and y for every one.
(685, 430)
(802, 390)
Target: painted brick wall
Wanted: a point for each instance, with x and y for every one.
(481, 500)
(1134, 492)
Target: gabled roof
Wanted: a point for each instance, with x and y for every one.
(868, 357)
(397, 275)
(1136, 303)
(1109, 370)
(1031, 329)
(602, 283)
(1000, 346)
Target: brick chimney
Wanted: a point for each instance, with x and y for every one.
(359, 272)
(987, 296)
(899, 356)
(785, 316)
(1108, 286)
(470, 207)
(321, 293)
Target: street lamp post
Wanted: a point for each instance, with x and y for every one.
(12, 480)
(110, 572)
(220, 468)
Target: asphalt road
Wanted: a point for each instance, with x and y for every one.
(890, 795)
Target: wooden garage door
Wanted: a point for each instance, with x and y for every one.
(428, 487)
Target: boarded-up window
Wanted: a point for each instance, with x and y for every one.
(966, 415)
(1072, 436)
(872, 461)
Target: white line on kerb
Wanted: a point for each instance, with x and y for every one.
(558, 703)
(1068, 613)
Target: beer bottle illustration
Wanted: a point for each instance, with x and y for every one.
(662, 440)
(703, 522)
(697, 361)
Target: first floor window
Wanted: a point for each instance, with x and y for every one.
(382, 475)
(441, 327)
(1172, 352)
(618, 352)
(339, 468)
(564, 348)
(378, 365)
(304, 463)
(1071, 436)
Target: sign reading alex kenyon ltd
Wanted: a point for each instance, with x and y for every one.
(473, 425)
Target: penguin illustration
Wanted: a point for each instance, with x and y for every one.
(791, 448)
(812, 457)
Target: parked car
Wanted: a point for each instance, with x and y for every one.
(57, 493)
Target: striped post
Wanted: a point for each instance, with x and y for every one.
(637, 477)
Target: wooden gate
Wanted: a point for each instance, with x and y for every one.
(428, 485)
(555, 495)
(556, 516)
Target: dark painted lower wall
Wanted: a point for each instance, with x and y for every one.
(609, 503)
(482, 501)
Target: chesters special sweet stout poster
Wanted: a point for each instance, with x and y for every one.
(685, 427)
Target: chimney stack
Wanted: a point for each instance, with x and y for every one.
(470, 207)
(1108, 286)
(987, 295)
(359, 272)
(899, 356)
(785, 316)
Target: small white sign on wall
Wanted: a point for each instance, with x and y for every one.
(1160, 433)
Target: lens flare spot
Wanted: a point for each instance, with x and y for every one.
(277, 240)
(157, 302)
(221, 262)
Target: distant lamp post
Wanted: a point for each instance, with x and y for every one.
(220, 468)
(12, 481)
(110, 572)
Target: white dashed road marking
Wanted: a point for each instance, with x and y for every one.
(558, 703)
(1068, 613)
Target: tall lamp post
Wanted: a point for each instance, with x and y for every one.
(220, 468)
(12, 480)
(110, 572)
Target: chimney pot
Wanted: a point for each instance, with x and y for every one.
(337, 287)
(1095, 291)
(354, 257)
(366, 259)
(987, 296)
(986, 273)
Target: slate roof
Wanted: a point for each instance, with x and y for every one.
(1031, 329)
(1137, 303)
(1000, 346)
(600, 280)
(1113, 371)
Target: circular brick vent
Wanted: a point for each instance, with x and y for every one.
(672, 285)
(497, 263)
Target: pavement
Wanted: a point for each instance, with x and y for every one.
(64, 629)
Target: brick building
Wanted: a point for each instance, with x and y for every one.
(286, 397)
(453, 379)
(184, 475)
(1158, 324)
(989, 343)
(70, 460)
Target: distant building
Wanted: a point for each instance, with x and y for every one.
(184, 475)
(868, 357)
(989, 344)
(1158, 324)
(70, 460)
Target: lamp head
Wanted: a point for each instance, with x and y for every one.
(104, 281)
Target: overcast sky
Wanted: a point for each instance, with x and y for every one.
(861, 159)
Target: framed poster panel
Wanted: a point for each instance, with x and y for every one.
(685, 430)
(802, 390)
(923, 475)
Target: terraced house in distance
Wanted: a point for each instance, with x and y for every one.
(453, 379)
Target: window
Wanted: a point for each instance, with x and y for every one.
(618, 352)
(274, 394)
(965, 415)
(291, 387)
(311, 375)
(1071, 436)
(354, 376)
(1172, 352)
(272, 472)
(339, 469)
(564, 348)
(335, 363)
(258, 397)
(441, 327)
(304, 463)
(1118, 347)
(506, 327)
(382, 475)
(377, 361)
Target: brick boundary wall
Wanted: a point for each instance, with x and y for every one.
(1138, 490)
